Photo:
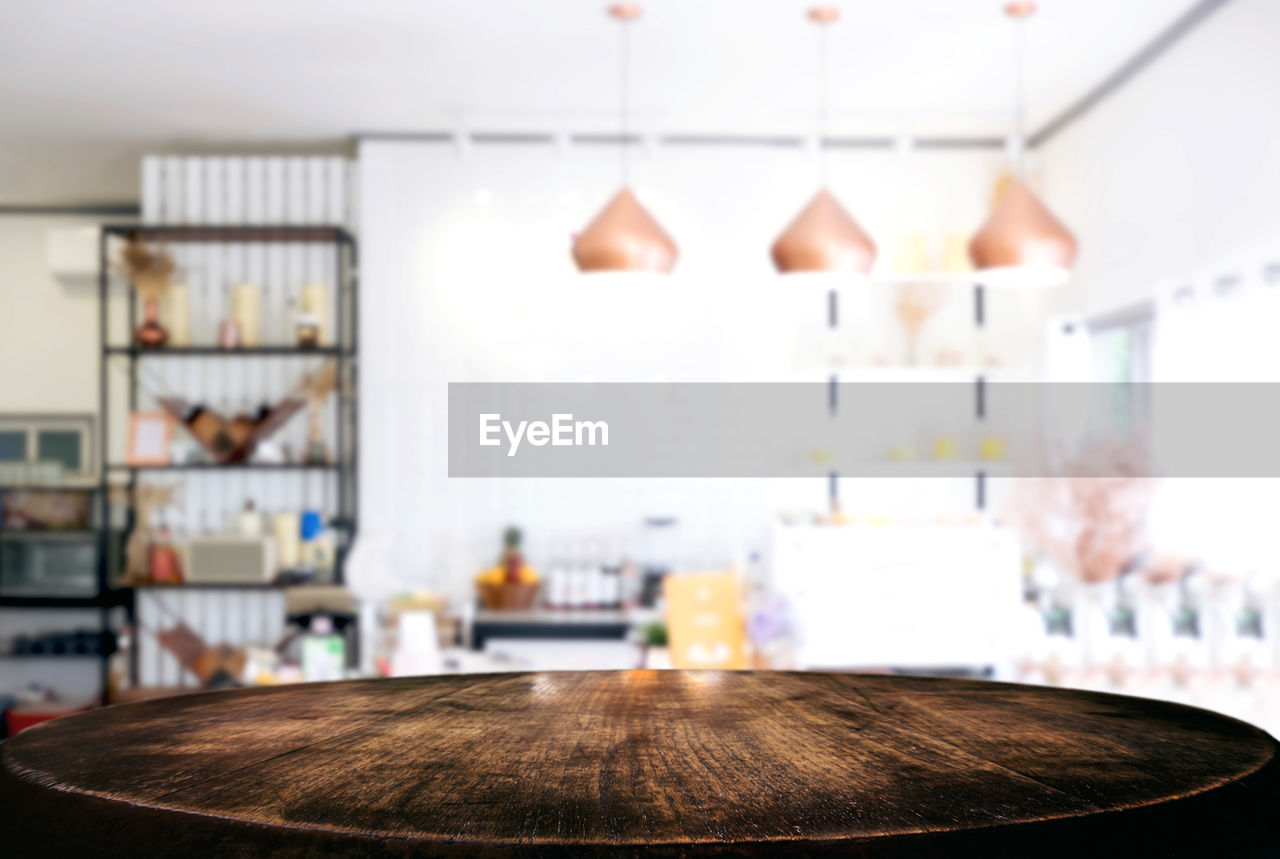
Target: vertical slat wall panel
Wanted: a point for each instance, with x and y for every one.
(195, 190)
(151, 189)
(237, 617)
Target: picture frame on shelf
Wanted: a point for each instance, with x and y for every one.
(150, 437)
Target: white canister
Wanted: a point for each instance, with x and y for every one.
(287, 527)
(249, 521)
(315, 301)
(177, 314)
(246, 309)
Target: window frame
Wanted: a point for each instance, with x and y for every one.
(83, 423)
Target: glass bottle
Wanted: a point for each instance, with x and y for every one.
(151, 334)
(162, 559)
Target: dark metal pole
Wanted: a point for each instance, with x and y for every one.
(340, 398)
(353, 282)
(104, 508)
(980, 387)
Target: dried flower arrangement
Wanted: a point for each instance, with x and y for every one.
(148, 500)
(1092, 526)
(149, 269)
(917, 302)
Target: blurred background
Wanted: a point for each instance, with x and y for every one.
(246, 247)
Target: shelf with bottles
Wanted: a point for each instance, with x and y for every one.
(238, 295)
(234, 316)
(603, 576)
(274, 550)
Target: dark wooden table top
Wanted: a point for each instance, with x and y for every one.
(669, 762)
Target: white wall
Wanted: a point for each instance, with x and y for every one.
(48, 364)
(1181, 167)
(467, 277)
(48, 331)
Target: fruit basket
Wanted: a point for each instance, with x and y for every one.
(508, 596)
(510, 584)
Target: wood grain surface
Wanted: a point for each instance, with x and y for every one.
(666, 762)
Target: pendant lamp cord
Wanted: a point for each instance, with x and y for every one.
(822, 106)
(624, 102)
(1019, 143)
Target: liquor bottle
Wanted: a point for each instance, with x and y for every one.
(556, 592)
(151, 334)
(162, 559)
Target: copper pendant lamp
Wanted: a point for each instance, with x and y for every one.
(1022, 243)
(824, 237)
(624, 236)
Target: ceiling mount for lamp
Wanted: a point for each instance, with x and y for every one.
(1021, 243)
(824, 237)
(624, 236)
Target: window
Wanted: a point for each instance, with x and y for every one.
(46, 448)
(13, 446)
(1120, 354)
(61, 446)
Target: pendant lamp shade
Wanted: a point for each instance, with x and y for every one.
(824, 237)
(1022, 243)
(624, 237)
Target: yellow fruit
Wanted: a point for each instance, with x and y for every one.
(498, 575)
(492, 576)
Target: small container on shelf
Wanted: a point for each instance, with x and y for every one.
(151, 334)
(229, 333)
(177, 314)
(162, 559)
(308, 331)
(246, 300)
(315, 304)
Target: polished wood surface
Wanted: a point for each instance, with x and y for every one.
(680, 763)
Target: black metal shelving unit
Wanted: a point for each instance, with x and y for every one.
(102, 598)
(343, 351)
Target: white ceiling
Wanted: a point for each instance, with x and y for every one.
(85, 85)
